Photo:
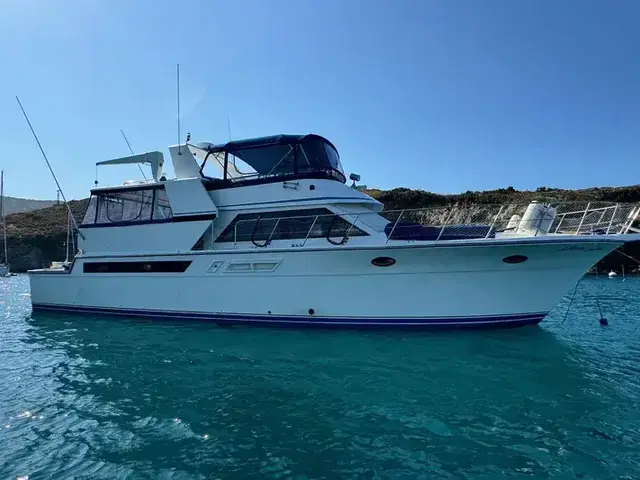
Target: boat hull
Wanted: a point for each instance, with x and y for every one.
(446, 286)
(501, 321)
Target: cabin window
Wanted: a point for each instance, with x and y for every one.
(127, 206)
(334, 159)
(90, 214)
(162, 207)
(288, 225)
(169, 266)
(316, 155)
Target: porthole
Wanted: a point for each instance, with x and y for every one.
(383, 261)
(515, 259)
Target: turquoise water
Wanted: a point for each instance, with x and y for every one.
(107, 398)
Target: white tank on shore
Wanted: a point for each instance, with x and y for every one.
(537, 219)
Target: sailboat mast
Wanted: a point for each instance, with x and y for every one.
(2, 217)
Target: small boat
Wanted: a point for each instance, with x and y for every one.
(612, 274)
(274, 235)
(5, 271)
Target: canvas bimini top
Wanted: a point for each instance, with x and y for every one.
(273, 156)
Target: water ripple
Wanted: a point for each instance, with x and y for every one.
(88, 397)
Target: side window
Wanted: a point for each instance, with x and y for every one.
(90, 215)
(334, 226)
(162, 207)
(115, 207)
(125, 206)
(288, 225)
(241, 229)
(259, 228)
(109, 208)
(137, 206)
(298, 226)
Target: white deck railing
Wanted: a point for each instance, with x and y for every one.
(448, 223)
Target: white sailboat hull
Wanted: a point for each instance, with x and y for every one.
(436, 285)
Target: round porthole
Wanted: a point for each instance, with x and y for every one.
(515, 259)
(383, 261)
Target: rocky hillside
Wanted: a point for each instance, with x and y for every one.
(406, 198)
(38, 237)
(20, 205)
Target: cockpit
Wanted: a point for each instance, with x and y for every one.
(273, 158)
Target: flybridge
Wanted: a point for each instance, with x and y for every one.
(264, 159)
(155, 201)
(277, 155)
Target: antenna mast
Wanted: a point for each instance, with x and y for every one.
(50, 169)
(178, 85)
(131, 150)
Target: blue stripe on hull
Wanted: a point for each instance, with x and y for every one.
(488, 321)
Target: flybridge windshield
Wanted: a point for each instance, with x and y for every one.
(280, 155)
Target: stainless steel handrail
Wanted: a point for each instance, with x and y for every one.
(394, 226)
(583, 217)
(612, 217)
(496, 217)
(310, 230)
(444, 225)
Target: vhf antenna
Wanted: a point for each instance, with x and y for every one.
(178, 94)
(50, 169)
(131, 150)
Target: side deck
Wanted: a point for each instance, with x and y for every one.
(458, 223)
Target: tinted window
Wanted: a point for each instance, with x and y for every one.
(162, 207)
(286, 225)
(105, 207)
(90, 214)
(125, 206)
(333, 158)
(277, 159)
(136, 267)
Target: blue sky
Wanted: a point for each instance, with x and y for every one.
(445, 95)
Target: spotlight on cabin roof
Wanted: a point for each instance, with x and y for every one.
(355, 178)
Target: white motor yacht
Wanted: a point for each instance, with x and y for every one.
(274, 236)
